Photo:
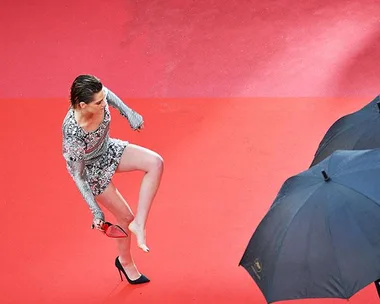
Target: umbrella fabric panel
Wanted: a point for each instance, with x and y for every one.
(306, 265)
(355, 237)
(266, 242)
(355, 131)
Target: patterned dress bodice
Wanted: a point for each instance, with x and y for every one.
(94, 143)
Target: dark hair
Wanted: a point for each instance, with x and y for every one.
(83, 89)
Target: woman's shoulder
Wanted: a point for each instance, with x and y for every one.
(70, 129)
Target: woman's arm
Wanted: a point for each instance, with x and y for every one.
(135, 119)
(73, 152)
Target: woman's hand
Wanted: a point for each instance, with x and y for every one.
(98, 224)
(140, 128)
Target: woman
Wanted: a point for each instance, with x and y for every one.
(92, 158)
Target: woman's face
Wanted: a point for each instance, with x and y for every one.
(96, 105)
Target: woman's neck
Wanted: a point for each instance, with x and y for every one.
(82, 116)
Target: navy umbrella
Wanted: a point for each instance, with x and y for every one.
(356, 131)
(321, 236)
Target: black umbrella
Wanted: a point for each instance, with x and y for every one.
(321, 236)
(356, 131)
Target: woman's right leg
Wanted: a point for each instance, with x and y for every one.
(116, 204)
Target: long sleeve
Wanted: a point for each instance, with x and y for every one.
(73, 152)
(135, 119)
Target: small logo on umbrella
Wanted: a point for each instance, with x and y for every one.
(257, 265)
(257, 268)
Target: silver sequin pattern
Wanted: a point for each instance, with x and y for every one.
(93, 157)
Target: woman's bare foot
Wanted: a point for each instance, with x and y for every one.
(139, 232)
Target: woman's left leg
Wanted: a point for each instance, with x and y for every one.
(138, 158)
(116, 204)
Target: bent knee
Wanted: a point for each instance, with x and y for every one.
(157, 163)
(125, 219)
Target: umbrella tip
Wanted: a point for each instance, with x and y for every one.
(325, 176)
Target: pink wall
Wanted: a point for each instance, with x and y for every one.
(192, 48)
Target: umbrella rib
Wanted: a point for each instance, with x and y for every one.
(333, 247)
(366, 238)
(363, 131)
(333, 244)
(287, 229)
(372, 200)
(354, 170)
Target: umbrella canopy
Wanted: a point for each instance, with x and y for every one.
(356, 131)
(321, 236)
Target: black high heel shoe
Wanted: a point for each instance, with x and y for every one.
(142, 279)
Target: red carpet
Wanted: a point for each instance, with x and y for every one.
(236, 97)
(225, 161)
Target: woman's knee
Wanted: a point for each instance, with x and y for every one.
(157, 163)
(125, 219)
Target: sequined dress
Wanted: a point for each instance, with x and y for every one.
(93, 157)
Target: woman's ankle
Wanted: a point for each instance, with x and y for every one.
(138, 224)
(126, 262)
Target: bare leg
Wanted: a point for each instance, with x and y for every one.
(142, 159)
(116, 204)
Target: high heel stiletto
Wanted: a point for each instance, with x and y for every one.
(142, 279)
